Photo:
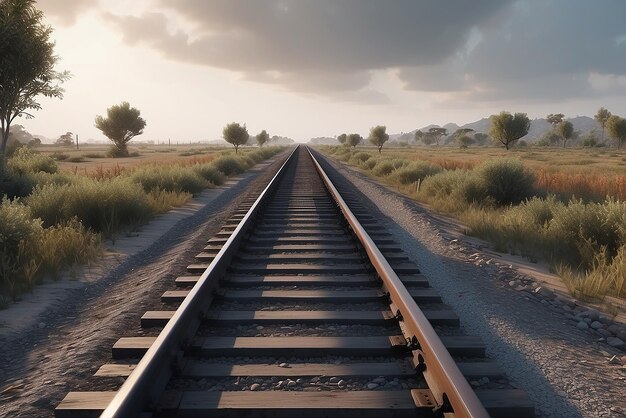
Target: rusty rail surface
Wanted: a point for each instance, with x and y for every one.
(450, 388)
(146, 383)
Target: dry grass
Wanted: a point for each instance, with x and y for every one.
(592, 186)
(59, 217)
(95, 160)
(571, 173)
(569, 209)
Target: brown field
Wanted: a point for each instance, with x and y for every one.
(579, 231)
(570, 160)
(91, 159)
(587, 173)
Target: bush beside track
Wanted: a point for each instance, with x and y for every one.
(51, 220)
(504, 202)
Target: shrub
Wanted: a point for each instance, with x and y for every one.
(59, 156)
(16, 224)
(415, 171)
(399, 163)
(246, 161)
(28, 251)
(115, 152)
(210, 173)
(27, 161)
(14, 185)
(505, 181)
(453, 191)
(607, 276)
(161, 201)
(66, 244)
(229, 165)
(105, 206)
(17, 230)
(344, 154)
(536, 211)
(360, 157)
(383, 168)
(93, 155)
(579, 231)
(369, 164)
(169, 178)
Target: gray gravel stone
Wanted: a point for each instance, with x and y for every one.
(596, 325)
(615, 342)
(541, 354)
(582, 325)
(545, 292)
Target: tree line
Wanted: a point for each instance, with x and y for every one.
(27, 72)
(506, 129)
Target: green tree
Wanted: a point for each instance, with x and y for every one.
(462, 137)
(602, 116)
(419, 136)
(565, 130)
(354, 139)
(590, 140)
(262, 138)
(378, 136)
(66, 140)
(26, 64)
(481, 138)
(236, 135)
(342, 138)
(554, 119)
(436, 134)
(616, 128)
(122, 124)
(549, 138)
(507, 128)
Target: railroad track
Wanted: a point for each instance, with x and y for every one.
(302, 304)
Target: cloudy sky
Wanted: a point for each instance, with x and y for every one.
(307, 68)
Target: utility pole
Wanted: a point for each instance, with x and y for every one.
(76, 141)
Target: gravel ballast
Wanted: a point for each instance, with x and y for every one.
(565, 370)
(72, 337)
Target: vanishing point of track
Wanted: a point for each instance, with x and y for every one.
(302, 304)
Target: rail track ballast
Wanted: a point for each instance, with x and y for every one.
(303, 305)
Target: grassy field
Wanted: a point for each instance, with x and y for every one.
(565, 206)
(590, 174)
(92, 158)
(57, 204)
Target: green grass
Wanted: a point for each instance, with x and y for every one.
(169, 178)
(498, 200)
(30, 252)
(56, 220)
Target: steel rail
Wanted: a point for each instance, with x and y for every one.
(445, 380)
(145, 384)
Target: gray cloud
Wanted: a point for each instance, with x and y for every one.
(65, 11)
(543, 50)
(324, 46)
(486, 50)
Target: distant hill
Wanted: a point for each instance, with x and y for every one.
(538, 127)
